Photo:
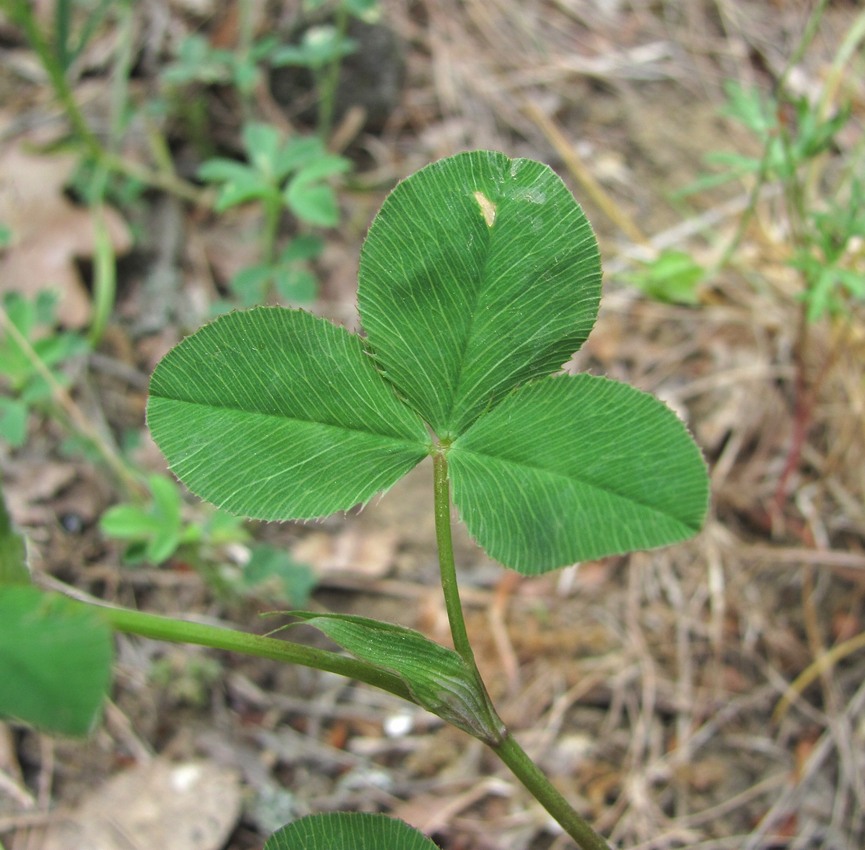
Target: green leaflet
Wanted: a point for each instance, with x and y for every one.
(478, 273)
(348, 831)
(276, 414)
(438, 679)
(577, 467)
(55, 660)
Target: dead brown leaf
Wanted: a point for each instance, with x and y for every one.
(189, 806)
(369, 555)
(30, 484)
(49, 232)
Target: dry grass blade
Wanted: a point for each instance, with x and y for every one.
(817, 668)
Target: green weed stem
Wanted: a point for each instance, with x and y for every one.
(329, 77)
(105, 261)
(808, 34)
(104, 277)
(22, 14)
(272, 214)
(73, 413)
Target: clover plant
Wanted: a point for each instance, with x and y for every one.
(281, 175)
(199, 62)
(323, 47)
(672, 277)
(479, 278)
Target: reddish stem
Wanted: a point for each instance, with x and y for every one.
(803, 411)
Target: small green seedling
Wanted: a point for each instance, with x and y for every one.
(281, 175)
(478, 279)
(672, 277)
(831, 258)
(319, 47)
(290, 275)
(199, 62)
(820, 209)
(322, 49)
(32, 354)
(155, 530)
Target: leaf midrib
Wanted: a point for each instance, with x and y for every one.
(282, 417)
(478, 294)
(570, 478)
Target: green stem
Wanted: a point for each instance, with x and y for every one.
(244, 49)
(328, 79)
(21, 13)
(272, 204)
(507, 749)
(515, 757)
(105, 261)
(165, 180)
(272, 213)
(181, 631)
(808, 34)
(104, 276)
(121, 74)
(447, 567)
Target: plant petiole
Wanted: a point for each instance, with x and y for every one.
(508, 750)
(218, 637)
(447, 567)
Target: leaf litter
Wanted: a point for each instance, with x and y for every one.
(646, 685)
